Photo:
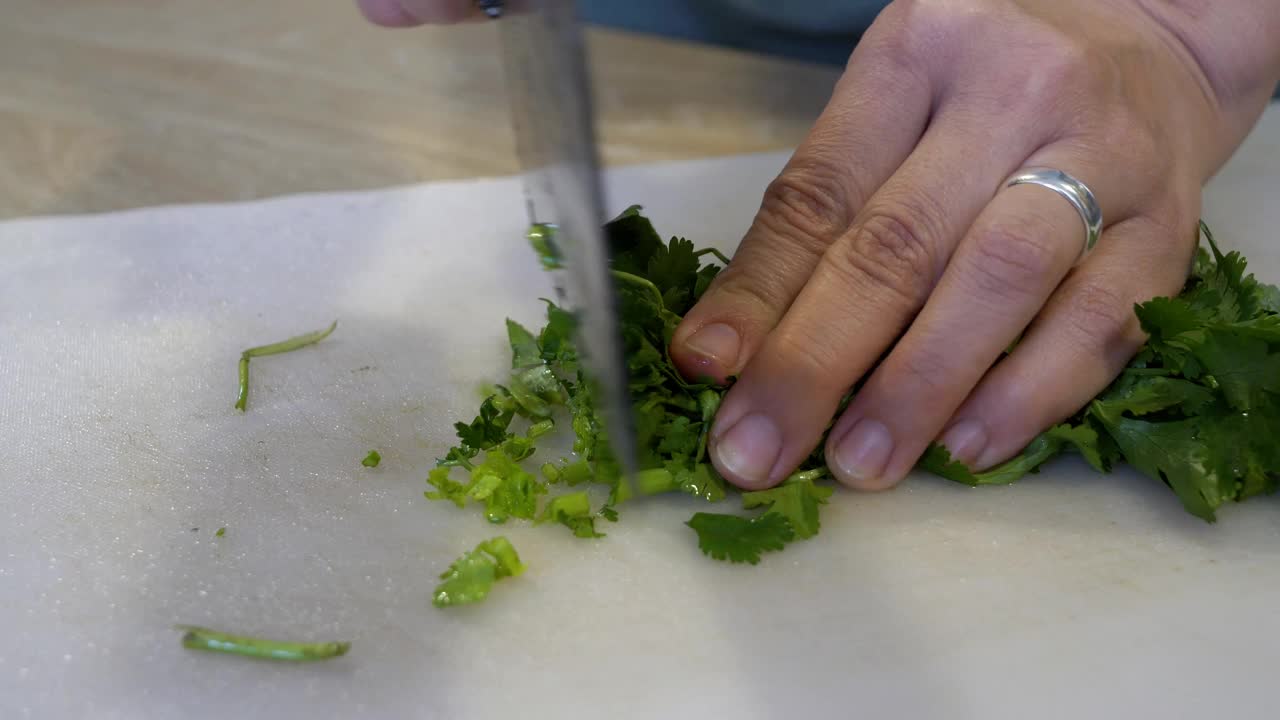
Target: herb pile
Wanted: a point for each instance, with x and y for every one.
(1196, 409)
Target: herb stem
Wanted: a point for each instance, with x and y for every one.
(808, 475)
(293, 343)
(197, 638)
(638, 281)
(719, 255)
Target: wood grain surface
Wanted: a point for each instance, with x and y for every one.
(106, 105)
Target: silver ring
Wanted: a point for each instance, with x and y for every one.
(1076, 193)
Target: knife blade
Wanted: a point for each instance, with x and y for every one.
(548, 85)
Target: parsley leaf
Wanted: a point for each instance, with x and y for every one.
(739, 539)
(470, 578)
(797, 500)
(524, 346)
(1197, 409)
(1048, 444)
(487, 430)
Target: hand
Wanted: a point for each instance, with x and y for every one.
(889, 252)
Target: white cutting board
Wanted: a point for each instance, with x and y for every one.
(1069, 595)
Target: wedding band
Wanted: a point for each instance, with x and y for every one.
(1076, 193)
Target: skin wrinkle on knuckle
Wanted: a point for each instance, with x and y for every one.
(927, 370)
(1100, 319)
(814, 352)
(760, 294)
(919, 26)
(1011, 262)
(886, 253)
(808, 203)
(759, 276)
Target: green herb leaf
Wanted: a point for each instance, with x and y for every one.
(470, 578)
(372, 459)
(796, 500)
(738, 539)
(524, 346)
(573, 510)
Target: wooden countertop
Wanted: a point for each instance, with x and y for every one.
(112, 105)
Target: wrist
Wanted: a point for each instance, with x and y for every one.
(1232, 42)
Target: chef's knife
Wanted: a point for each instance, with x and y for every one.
(554, 120)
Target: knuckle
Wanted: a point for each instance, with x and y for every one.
(1063, 67)
(1130, 138)
(1066, 61)
(753, 294)
(1013, 260)
(925, 367)
(807, 204)
(813, 351)
(915, 28)
(892, 250)
(1100, 318)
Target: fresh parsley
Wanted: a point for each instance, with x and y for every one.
(470, 578)
(1197, 409)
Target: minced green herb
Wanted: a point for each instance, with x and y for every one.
(1196, 409)
(471, 576)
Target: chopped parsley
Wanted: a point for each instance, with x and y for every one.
(1197, 409)
(471, 576)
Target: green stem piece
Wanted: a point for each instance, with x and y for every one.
(293, 343)
(197, 638)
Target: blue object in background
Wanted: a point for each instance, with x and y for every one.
(822, 31)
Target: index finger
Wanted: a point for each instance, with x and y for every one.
(877, 112)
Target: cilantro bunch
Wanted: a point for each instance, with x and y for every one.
(1197, 408)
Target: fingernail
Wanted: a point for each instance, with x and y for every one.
(864, 453)
(717, 342)
(965, 441)
(749, 449)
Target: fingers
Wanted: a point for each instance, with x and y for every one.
(407, 13)
(1006, 267)
(1082, 340)
(860, 297)
(876, 115)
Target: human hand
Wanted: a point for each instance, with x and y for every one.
(889, 252)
